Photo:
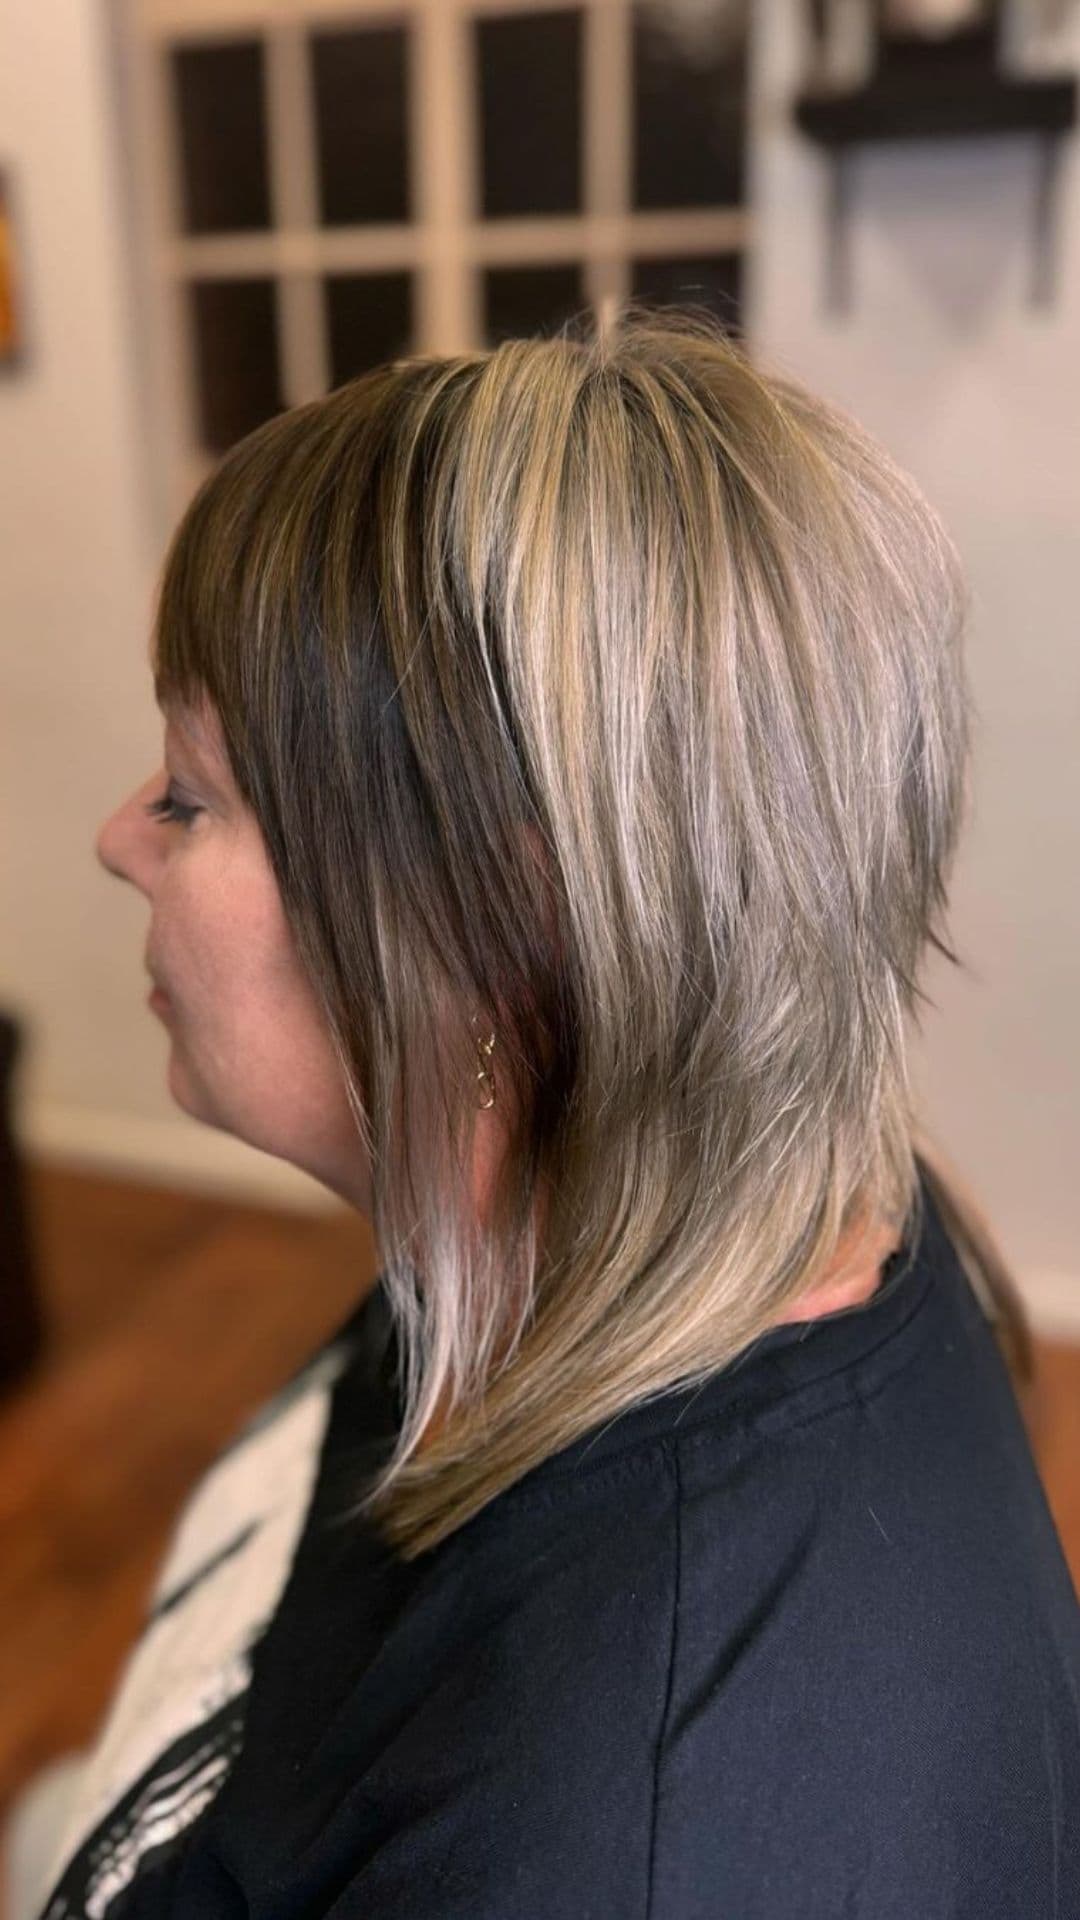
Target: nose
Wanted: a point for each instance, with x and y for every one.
(106, 848)
(125, 842)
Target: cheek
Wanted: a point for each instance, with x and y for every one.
(244, 1000)
(206, 964)
(264, 1055)
(219, 931)
(242, 1005)
(251, 1049)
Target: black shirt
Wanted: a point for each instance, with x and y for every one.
(800, 1644)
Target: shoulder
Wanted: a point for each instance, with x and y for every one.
(497, 1753)
(875, 1701)
(798, 1654)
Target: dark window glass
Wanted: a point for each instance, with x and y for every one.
(238, 380)
(221, 113)
(529, 86)
(714, 282)
(689, 112)
(369, 319)
(361, 125)
(524, 300)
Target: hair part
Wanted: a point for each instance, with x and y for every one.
(611, 688)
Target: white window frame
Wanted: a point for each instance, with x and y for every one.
(444, 245)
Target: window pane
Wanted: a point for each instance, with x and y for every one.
(221, 113)
(529, 88)
(369, 319)
(714, 282)
(689, 111)
(236, 356)
(524, 300)
(361, 119)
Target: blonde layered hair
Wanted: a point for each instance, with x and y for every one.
(610, 689)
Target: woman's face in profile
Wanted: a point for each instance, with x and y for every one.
(250, 1050)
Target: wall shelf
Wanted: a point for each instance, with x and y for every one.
(938, 104)
(955, 101)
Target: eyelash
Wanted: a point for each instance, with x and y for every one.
(168, 807)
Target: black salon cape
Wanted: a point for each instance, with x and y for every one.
(799, 1645)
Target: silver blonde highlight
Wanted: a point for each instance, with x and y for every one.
(610, 690)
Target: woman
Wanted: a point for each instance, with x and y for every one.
(565, 754)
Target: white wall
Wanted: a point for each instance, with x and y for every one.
(78, 559)
(940, 354)
(977, 392)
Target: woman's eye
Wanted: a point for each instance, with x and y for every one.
(168, 807)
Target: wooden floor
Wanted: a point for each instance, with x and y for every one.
(171, 1317)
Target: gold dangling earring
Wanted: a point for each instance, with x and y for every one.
(484, 1073)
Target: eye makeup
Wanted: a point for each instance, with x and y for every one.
(169, 807)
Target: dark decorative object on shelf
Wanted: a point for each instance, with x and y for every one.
(21, 1324)
(936, 73)
(925, 33)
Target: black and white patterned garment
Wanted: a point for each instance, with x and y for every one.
(176, 1724)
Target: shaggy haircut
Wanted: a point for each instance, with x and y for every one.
(605, 692)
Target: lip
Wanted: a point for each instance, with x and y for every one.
(158, 1000)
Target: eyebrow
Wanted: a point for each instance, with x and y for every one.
(193, 740)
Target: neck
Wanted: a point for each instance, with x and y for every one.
(853, 1275)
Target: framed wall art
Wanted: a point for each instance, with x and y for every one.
(11, 341)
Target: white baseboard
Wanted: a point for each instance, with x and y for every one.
(168, 1153)
(1052, 1298)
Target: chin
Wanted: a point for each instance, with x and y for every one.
(341, 1172)
(200, 1105)
(191, 1098)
